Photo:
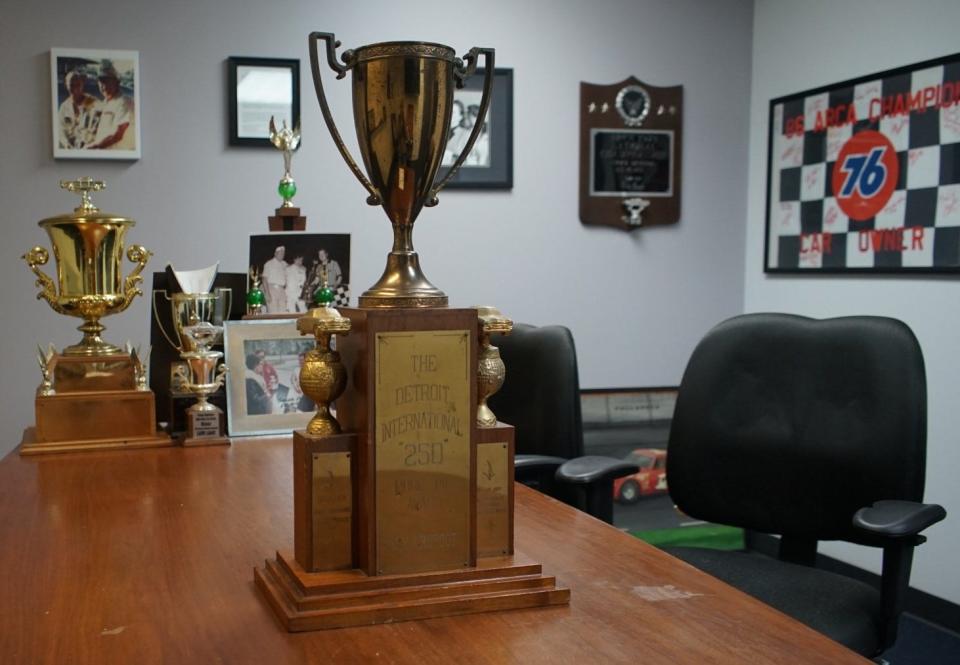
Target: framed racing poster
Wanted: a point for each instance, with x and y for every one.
(864, 175)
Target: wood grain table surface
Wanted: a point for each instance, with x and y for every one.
(147, 556)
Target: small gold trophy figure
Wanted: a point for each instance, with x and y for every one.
(287, 217)
(288, 141)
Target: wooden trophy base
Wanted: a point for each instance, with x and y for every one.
(317, 601)
(204, 428)
(100, 420)
(287, 219)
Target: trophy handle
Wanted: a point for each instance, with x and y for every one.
(229, 296)
(156, 314)
(38, 256)
(375, 198)
(461, 74)
(221, 376)
(131, 285)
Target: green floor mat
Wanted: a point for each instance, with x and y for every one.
(708, 535)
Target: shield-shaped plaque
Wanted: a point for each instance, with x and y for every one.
(630, 150)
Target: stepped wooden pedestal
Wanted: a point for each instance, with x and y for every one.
(409, 515)
(336, 599)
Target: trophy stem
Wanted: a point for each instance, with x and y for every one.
(91, 344)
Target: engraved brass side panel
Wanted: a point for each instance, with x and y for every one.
(331, 511)
(422, 435)
(493, 499)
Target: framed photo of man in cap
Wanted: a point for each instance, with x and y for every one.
(95, 95)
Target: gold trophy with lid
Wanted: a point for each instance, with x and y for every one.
(93, 395)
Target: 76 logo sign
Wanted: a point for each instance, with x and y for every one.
(865, 174)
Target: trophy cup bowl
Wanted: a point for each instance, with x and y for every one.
(204, 379)
(88, 247)
(197, 304)
(402, 106)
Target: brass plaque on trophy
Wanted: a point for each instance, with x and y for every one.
(630, 154)
(493, 499)
(332, 511)
(422, 433)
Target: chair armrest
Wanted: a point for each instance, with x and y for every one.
(897, 519)
(530, 462)
(594, 468)
(590, 479)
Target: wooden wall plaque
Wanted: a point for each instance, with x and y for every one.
(631, 143)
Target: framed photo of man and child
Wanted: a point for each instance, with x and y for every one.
(95, 95)
(293, 266)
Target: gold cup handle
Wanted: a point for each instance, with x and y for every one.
(131, 285)
(36, 257)
(464, 71)
(156, 314)
(375, 197)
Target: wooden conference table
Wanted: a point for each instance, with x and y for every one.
(147, 556)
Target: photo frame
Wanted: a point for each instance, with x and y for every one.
(289, 278)
(258, 88)
(95, 97)
(263, 383)
(490, 164)
(863, 176)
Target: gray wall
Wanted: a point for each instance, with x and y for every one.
(798, 46)
(636, 303)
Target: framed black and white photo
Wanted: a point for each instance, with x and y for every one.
(490, 164)
(264, 358)
(96, 103)
(258, 89)
(292, 266)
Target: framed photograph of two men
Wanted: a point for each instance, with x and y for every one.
(96, 103)
(864, 175)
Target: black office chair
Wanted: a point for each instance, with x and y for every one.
(541, 398)
(814, 430)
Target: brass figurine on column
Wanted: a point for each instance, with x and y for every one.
(92, 395)
(491, 371)
(323, 377)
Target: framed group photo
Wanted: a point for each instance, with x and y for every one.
(292, 266)
(96, 103)
(264, 358)
(490, 163)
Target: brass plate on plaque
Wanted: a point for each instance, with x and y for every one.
(331, 511)
(493, 499)
(422, 440)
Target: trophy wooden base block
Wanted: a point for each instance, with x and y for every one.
(94, 420)
(287, 219)
(30, 446)
(197, 441)
(318, 601)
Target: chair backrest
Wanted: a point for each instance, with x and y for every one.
(786, 424)
(541, 394)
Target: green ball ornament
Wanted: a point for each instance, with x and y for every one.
(323, 295)
(287, 189)
(256, 298)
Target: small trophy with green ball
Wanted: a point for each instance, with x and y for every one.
(256, 299)
(288, 216)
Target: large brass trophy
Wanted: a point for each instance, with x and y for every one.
(93, 395)
(403, 504)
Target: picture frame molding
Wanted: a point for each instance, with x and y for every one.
(233, 63)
